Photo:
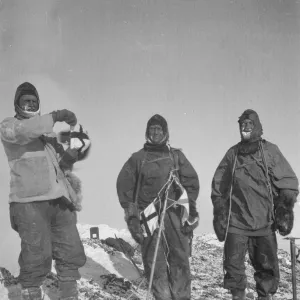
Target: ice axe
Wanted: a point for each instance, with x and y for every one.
(293, 260)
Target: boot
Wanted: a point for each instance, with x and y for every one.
(32, 293)
(68, 290)
(269, 297)
(238, 294)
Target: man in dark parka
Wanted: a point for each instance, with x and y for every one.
(253, 193)
(153, 163)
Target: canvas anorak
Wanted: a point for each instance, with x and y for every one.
(252, 207)
(171, 280)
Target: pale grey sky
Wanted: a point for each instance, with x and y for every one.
(116, 63)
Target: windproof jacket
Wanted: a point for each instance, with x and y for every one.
(251, 206)
(154, 174)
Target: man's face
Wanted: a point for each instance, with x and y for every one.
(29, 103)
(156, 134)
(246, 128)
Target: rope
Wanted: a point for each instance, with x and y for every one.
(230, 204)
(136, 195)
(168, 251)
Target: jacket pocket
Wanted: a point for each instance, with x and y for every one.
(30, 177)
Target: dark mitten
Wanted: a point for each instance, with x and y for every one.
(69, 157)
(284, 215)
(220, 220)
(191, 224)
(131, 211)
(64, 115)
(135, 229)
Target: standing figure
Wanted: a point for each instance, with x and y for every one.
(253, 193)
(41, 210)
(139, 184)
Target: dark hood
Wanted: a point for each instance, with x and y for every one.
(158, 120)
(253, 116)
(25, 88)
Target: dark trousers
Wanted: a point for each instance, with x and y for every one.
(263, 256)
(48, 231)
(171, 279)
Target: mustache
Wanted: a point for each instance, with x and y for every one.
(31, 108)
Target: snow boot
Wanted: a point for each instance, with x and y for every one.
(238, 294)
(68, 290)
(32, 293)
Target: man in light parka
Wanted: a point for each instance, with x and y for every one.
(41, 210)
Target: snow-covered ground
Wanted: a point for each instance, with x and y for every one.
(109, 274)
(99, 262)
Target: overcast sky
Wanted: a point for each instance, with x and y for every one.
(116, 63)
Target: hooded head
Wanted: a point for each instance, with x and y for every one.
(157, 130)
(25, 105)
(250, 126)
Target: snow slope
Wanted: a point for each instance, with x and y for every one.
(109, 274)
(99, 262)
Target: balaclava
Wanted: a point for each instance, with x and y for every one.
(158, 120)
(26, 88)
(257, 131)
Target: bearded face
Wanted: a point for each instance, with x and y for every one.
(29, 103)
(246, 128)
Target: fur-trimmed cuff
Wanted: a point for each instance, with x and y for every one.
(220, 220)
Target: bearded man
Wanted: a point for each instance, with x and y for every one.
(253, 193)
(41, 210)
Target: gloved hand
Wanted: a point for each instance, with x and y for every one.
(69, 157)
(64, 115)
(284, 220)
(284, 214)
(190, 224)
(135, 229)
(220, 220)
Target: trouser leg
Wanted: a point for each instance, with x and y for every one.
(178, 256)
(160, 284)
(32, 223)
(67, 249)
(171, 279)
(235, 251)
(263, 255)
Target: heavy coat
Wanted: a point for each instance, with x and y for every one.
(37, 161)
(172, 271)
(251, 206)
(154, 174)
